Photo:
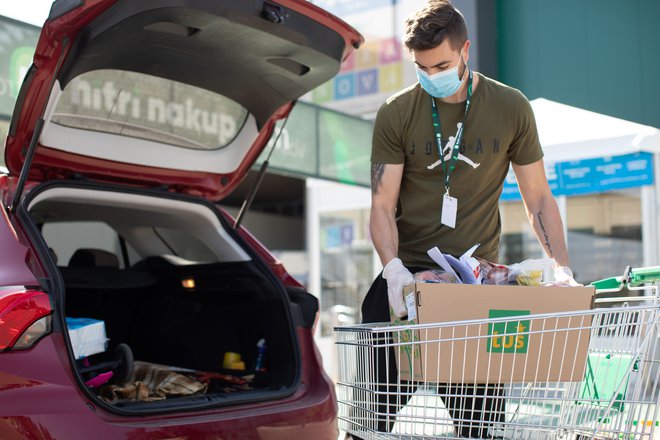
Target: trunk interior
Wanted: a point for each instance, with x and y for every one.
(175, 292)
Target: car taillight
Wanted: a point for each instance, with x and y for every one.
(24, 317)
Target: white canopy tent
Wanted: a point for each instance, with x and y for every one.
(569, 133)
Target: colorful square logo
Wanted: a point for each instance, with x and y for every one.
(509, 336)
(390, 77)
(367, 82)
(390, 51)
(345, 86)
(368, 55)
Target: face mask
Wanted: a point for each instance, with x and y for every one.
(441, 84)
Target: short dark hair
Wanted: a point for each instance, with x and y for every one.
(428, 27)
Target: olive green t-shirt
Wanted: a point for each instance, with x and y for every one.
(499, 128)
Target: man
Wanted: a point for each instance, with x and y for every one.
(441, 151)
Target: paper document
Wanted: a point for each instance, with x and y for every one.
(466, 268)
(439, 258)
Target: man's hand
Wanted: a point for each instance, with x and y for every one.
(397, 277)
(564, 277)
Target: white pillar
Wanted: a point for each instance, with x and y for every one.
(313, 218)
(650, 200)
(313, 238)
(649, 225)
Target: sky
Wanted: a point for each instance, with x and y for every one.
(29, 11)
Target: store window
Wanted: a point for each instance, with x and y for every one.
(517, 242)
(347, 259)
(604, 234)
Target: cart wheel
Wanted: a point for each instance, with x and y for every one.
(124, 357)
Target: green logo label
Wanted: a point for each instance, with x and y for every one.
(510, 336)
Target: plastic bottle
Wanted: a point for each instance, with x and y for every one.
(261, 356)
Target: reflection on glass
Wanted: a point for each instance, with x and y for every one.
(148, 107)
(4, 127)
(604, 234)
(346, 268)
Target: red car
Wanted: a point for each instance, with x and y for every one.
(131, 305)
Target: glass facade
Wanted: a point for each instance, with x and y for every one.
(17, 43)
(604, 234)
(4, 126)
(322, 143)
(346, 267)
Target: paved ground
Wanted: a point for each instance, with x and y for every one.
(426, 417)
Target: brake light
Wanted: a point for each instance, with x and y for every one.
(24, 317)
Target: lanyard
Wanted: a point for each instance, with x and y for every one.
(457, 140)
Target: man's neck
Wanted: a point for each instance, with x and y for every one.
(461, 93)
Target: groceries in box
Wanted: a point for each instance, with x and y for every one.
(485, 324)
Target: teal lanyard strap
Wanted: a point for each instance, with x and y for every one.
(459, 135)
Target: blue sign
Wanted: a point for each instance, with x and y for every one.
(333, 236)
(338, 235)
(591, 176)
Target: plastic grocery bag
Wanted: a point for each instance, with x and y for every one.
(529, 272)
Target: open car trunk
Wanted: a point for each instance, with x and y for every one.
(175, 290)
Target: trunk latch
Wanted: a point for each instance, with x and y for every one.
(275, 13)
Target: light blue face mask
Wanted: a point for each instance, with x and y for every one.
(441, 84)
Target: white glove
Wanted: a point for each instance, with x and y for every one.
(397, 277)
(564, 277)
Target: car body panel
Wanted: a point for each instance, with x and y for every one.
(14, 270)
(43, 403)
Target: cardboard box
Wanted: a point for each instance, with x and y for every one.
(520, 348)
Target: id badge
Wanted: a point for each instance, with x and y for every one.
(449, 209)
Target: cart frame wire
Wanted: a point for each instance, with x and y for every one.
(611, 390)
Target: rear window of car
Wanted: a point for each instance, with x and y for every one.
(186, 245)
(149, 107)
(65, 238)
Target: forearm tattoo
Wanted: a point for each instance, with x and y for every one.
(546, 239)
(377, 170)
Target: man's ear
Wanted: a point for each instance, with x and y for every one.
(466, 51)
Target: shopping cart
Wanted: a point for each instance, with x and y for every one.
(608, 391)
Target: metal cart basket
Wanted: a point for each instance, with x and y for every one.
(607, 390)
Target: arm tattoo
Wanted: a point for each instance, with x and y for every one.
(377, 170)
(546, 239)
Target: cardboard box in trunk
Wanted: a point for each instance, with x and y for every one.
(519, 348)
